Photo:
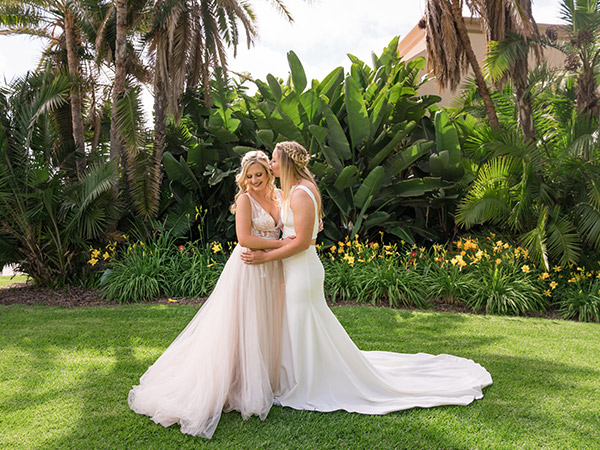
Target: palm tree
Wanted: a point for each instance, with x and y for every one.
(187, 39)
(582, 18)
(41, 18)
(511, 31)
(449, 50)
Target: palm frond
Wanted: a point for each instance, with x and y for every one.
(564, 243)
(489, 199)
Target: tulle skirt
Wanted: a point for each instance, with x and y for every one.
(227, 358)
(323, 370)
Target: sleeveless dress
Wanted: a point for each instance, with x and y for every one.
(227, 358)
(323, 370)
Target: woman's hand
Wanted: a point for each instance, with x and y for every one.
(254, 256)
(285, 241)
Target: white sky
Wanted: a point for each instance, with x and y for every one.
(322, 34)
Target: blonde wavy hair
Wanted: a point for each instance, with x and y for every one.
(293, 159)
(254, 157)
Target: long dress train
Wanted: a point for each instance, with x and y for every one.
(227, 358)
(323, 370)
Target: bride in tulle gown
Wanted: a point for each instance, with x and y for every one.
(227, 358)
(321, 368)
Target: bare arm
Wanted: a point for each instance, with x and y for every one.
(243, 226)
(303, 209)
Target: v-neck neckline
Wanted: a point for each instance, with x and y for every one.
(262, 207)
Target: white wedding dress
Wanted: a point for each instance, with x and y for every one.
(323, 370)
(227, 358)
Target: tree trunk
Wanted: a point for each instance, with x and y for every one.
(116, 141)
(481, 85)
(519, 77)
(75, 94)
(160, 128)
(586, 95)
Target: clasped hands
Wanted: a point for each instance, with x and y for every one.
(250, 256)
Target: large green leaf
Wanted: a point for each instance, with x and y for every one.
(199, 156)
(275, 87)
(387, 150)
(331, 83)
(370, 185)
(410, 156)
(418, 186)
(298, 74)
(346, 178)
(358, 119)
(320, 133)
(336, 136)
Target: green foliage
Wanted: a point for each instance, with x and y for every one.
(579, 297)
(48, 216)
(369, 134)
(504, 291)
(392, 282)
(156, 266)
(544, 193)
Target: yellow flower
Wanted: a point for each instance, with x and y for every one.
(459, 244)
(217, 247)
(506, 245)
(106, 255)
(95, 253)
(525, 268)
(498, 261)
(375, 245)
(332, 248)
(349, 259)
(579, 269)
(499, 243)
(571, 280)
(557, 268)
(402, 241)
(93, 261)
(479, 254)
(340, 243)
(545, 275)
(547, 293)
(553, 285)
(463, 253)
(172, 300)
(422, 249)
(356, 237)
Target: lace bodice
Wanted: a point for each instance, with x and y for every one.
(263, 224)
(288, 219)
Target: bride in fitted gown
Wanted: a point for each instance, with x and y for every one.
(321, 368)
(227, 358)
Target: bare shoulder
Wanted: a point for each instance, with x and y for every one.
(243, 201)
(311, 187)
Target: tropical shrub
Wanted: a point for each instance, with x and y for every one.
(381, 162)
(49, 214)
(157, 266)
(580, 300)
(545, 193)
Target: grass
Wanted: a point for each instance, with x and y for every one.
(65, 375)
(12, 279)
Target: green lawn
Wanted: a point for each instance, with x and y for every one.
(7, 280)
(65, 375)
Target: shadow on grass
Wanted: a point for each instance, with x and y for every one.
(533, 401)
